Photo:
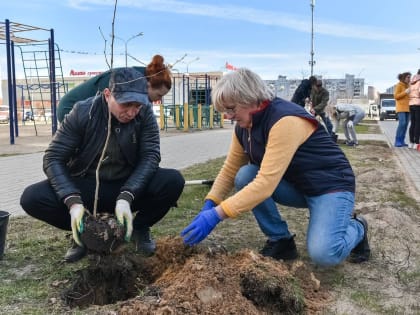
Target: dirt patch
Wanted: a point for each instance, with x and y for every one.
(201, 280)
(210, 279)
(389, 282)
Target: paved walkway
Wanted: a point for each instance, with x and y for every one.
(178, 150)
(409, 159)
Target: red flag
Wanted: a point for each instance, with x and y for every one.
(229, 66)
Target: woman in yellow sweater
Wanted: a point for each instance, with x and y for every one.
(401, 95)
(281, 155)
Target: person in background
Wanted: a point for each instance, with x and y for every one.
(130, 179)
(281, 154)
(156, 72)
(401, 95)
(319, 100)
(352, 115)
(414, 104)
(302, 93)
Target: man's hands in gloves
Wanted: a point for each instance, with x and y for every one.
(77, 211)
(124, 217)
(350, 124)
(201, 226)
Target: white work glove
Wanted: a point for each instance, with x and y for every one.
(77, 211)
(407, 91)
(124, 217)
(350, 124)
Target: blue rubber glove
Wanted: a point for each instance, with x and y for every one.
(200, 227)
(208, 204)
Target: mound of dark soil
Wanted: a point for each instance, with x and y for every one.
(184, 280)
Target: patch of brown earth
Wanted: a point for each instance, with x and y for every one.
(182, 280)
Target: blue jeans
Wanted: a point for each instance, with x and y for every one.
(403, 119)
(332, 232)
(327, 122)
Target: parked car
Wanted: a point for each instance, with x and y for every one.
(29, 115)
(4, 114)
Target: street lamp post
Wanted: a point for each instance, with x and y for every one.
(312, 61)
(190, 62)
(126, 43)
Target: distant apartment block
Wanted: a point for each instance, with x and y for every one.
(348, 89)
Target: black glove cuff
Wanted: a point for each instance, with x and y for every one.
(127, 196)
(71, 200)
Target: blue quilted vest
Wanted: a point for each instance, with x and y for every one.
(319, 166)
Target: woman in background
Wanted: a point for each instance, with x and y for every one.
(401, 95)
(157, 73)
(414, 103)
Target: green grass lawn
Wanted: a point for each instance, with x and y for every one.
(365, 127)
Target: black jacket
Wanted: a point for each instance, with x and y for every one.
(81, 138)
(302, 92)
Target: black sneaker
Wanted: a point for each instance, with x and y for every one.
(75, 253)
(145, 245)
(361, 252)
(284, 248)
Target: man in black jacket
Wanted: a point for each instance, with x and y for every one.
(303, 91)
(130, 179)
(85, 90)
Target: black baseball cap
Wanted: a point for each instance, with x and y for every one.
(128, 85)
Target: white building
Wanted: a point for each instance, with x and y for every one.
(346, 89)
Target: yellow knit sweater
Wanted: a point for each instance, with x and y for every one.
(284, 139)
(401, 98)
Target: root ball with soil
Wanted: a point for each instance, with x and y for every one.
(102, 234)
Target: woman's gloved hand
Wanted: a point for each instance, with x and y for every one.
(201, 226)
(208, 204)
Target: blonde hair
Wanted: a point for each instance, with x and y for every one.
(241, 87)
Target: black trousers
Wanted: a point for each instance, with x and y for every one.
(414, 130)
(40, 201)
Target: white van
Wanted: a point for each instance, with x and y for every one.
(4, 114)
(387, 107)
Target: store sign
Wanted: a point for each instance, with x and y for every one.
(84, 73)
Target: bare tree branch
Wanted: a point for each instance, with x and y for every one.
(105, 41)
(135, 59)
(177, 61)
(112, 34)
(109, 119)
